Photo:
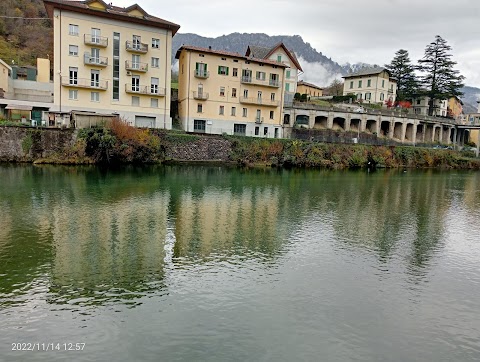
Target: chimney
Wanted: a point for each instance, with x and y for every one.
(478, 107)
(209, 47)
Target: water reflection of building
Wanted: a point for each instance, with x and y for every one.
(219, 220)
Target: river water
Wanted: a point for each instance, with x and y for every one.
(217, 264)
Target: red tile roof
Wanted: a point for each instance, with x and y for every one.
(227, 54)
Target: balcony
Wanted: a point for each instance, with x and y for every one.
(262, 82)
(135, 47)
(259, 120)
(84, 83)
(95, 40)
(200, 73)
(136, 66)
(145, 90)
(259, 101)
(203, 96)
(95, 61)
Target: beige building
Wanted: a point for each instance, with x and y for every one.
(372, 85)
(309, 89)
(109, 59)
(280, 53)
(5, 72)
(421, 105)
(223, 92)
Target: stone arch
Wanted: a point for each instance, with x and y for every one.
(321, 122)
(420, 132)
(302, 120)
(437, 134)
(429, 132)
(446, 134)
(398, 130)
(339, 123)
(355, 124)
(385, 128)
(371, 126)
(286, 118)
(410, 132)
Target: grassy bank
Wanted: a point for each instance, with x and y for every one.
(118, 143)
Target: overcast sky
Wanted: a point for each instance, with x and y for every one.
(368, 31)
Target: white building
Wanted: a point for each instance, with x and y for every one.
(371, 85)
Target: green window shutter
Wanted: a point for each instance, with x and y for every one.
(219, 67)
(197, 66)
(227, 70)
(288, 74)
(287, 87)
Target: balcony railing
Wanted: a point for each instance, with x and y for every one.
(145, 89)
(84, 83)
(136, 47)
(259, 101)
(200, 95)
(95, 40)
(200, 73)
(136, 66)
(263, 82)
(96, 61)
(259, 120)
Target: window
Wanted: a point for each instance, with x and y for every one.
(234, 92)
(359, 84)
(116, 67)
(135, 61)
(418, 101)
(265, 131)
(155, 62)
(135, 101)
(95, 56)
(95, 78)
(137, 42)
(287, 87)
(222, 91)
(369, 83)
(368, 96)
(135, 83)
(359, 96)
(95, 97)
(276, 132)
(274, 79)
(95, 36)
(73, 50)
(351, 84)
(244, 112)
(246, 76)
(279, 58)
(200, 70)
(199, 125)
(382, 96)
(199, 108)
(234, 111)
(245, 93)
(288, 74)
(383, 83)
(222, 70)
(154, 85)
(73, 94)
(235, 72)
(272, 114)
(73, 30)
(155, 43)
(258, 118)
(259, 95)
(73, 75)
(260, 76)
(154, 102)
(221, 110)
(272, 97)
(239, 129)
(257, 131)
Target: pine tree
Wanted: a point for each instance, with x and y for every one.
(402, 69)
(440, 80)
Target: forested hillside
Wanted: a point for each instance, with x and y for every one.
(23, 39)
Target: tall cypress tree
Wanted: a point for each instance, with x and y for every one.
(440, 80)
(402, 69)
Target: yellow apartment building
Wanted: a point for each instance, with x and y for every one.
(309, 89)
(109, 59)
(281, 54)
(223, 92)
(371, 85)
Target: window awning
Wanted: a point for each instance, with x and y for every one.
(18, 107)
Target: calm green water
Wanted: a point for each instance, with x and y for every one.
(215, 264)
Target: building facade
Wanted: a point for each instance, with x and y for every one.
(112, 60)
(455, 107)
(373, 85)
(420, 106)
(280, 53)
(309, 89)
(223, 92)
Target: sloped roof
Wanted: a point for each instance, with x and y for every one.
(227, 54)
(5, 65)
(367, 71)
(309, 85)
(112, 12)
(265, 52)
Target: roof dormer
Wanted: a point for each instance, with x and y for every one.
(136, 10)
(96, 4)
